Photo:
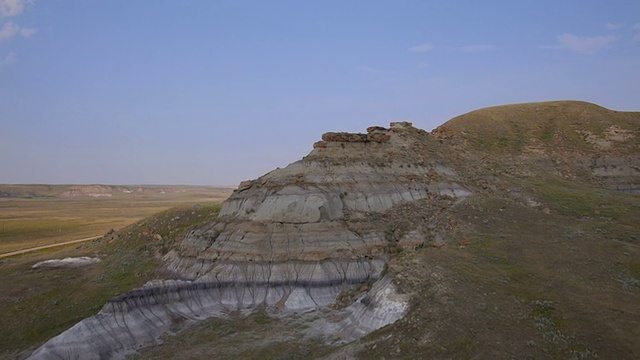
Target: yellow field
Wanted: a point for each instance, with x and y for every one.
(37, 221)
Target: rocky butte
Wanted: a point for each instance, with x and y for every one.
(301, 237)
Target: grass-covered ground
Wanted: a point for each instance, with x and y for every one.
(36, 215)
(39, 304)
(552, 125)
(560, 284)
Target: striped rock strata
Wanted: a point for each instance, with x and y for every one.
(292, 240)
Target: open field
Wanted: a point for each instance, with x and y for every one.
(37, 215)
(40, 303)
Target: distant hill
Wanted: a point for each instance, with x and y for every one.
(95, 190)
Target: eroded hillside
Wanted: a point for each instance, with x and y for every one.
(506, 232)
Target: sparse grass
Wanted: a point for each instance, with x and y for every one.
(576, 199)
(520, 288)
(39, 304)
(610, 214)
(508, 128)
(253, 336)
(45, 219)
(634, 267)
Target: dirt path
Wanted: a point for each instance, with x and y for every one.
(48, 246)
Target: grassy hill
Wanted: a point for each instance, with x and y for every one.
(542, 262)
(553, 125)
(39, 304)
(562, 283)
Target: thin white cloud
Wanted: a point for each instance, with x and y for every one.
(27, 32)
(11, 8)
(477, 48)
(368, 69)
(8, 30)
(422, 48)
(584, 44)
(7, 60)
(612, 26)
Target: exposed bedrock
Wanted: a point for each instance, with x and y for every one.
(317, 215)
(326, 200)
(138, 318)
(620, 173)
(291, 240)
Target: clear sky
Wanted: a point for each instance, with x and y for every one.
(215, 92)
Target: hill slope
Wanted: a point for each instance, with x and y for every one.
(570, 125)
(575, 140)
(509, 232)
(40, 303)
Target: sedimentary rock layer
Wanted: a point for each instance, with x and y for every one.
(138, 318)
(317, 215)
(291, 240)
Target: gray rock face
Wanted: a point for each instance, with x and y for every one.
(315, 219)
(620, 173)
(291, 240)
(138, 318)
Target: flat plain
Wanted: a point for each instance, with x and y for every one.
(37, 304)
(37, 215)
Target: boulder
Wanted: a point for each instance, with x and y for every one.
(344, 137)
(244, 185)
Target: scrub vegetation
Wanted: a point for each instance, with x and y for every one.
(39, 304)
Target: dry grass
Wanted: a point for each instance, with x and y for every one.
(45, 219)
(256, 336)
(39, 304)
(529, 284)
(509, 128)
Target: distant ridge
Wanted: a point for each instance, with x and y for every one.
(93, 190)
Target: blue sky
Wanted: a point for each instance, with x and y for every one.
(215, 92)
